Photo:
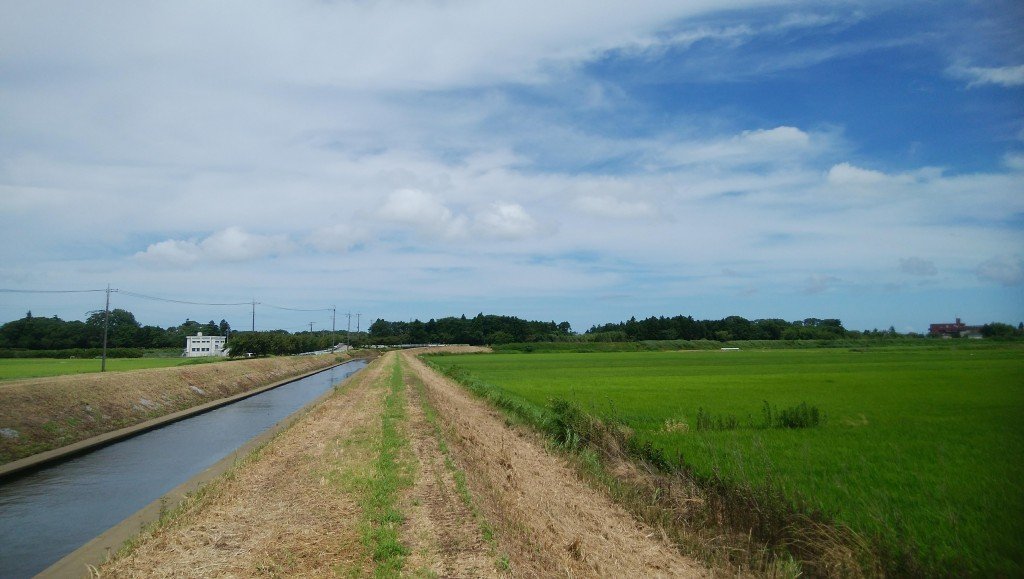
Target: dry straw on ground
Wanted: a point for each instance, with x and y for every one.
(286, 513)
(293, 510)
(550, 522)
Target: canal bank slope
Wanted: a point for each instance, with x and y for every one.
(41, 414)
(401, 472)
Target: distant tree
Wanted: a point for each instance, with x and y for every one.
(121, 328)
(997, 330)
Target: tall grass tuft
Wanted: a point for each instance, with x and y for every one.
(802, 415)
(799, 416)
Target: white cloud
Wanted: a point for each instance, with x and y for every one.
(234, 244)
(784, 137)
(423, 211)
(1014, 161)
(505, 221)
(1004, 270)
(1005, 76)
(349, 124)
(172, 252)
(228, 245)
(781, 144)
(845, 174)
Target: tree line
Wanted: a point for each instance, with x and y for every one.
(730, 328)
(478, 330)
(38, 334)
(123, 331)
(280, 342)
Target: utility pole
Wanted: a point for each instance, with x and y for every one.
(106, 324)
(334, 342)
(310, 327)
(357, 323)
(254, 314)
(348, 331)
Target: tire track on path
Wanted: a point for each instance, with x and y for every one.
(550, 522)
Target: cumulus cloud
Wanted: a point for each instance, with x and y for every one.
(1014, 161)
(611, 207)
(779, 137)
(228, 245)
(845, 174)
(1004, 270)
(778, 144)
(505, 221)
(918, 266)
(1005, 76)
(423, 211)
(171, 252)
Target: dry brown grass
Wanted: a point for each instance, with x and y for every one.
(550, 522)
(51, 412)
(288, 512)
(442, 531)
(293, 509)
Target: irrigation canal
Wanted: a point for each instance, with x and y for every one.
(48, 513)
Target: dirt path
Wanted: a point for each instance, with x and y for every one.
(551, 523)
(280, 514)
(444, 533)
(471, 497)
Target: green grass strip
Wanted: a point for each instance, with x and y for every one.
(392, 472)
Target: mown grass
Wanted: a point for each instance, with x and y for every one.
(392, 472)
(14, 368)
(458, 475)
(922, 451)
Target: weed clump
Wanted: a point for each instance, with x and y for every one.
(802, 415)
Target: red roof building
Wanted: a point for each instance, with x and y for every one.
(957, 329)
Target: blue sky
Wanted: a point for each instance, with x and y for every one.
(585, 162)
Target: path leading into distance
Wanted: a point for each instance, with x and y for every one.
(459, 491)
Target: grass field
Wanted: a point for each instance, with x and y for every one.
(13, 368)
(921, 450)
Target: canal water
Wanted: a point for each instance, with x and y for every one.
(46, 514)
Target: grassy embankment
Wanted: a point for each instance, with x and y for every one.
(39, 414)
(18, 368)
(920, 452)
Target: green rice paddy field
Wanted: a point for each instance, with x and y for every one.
(13, 368)
(922, 450)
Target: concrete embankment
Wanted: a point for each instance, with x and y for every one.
(42, 414)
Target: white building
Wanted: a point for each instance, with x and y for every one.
(200, 345)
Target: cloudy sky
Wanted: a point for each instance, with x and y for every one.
(581, 160)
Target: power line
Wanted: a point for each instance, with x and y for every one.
(29, 291)
(294, 309)
(253, 303)
(159, 299)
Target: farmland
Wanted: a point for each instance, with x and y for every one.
(14, 368)
(921, 451)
